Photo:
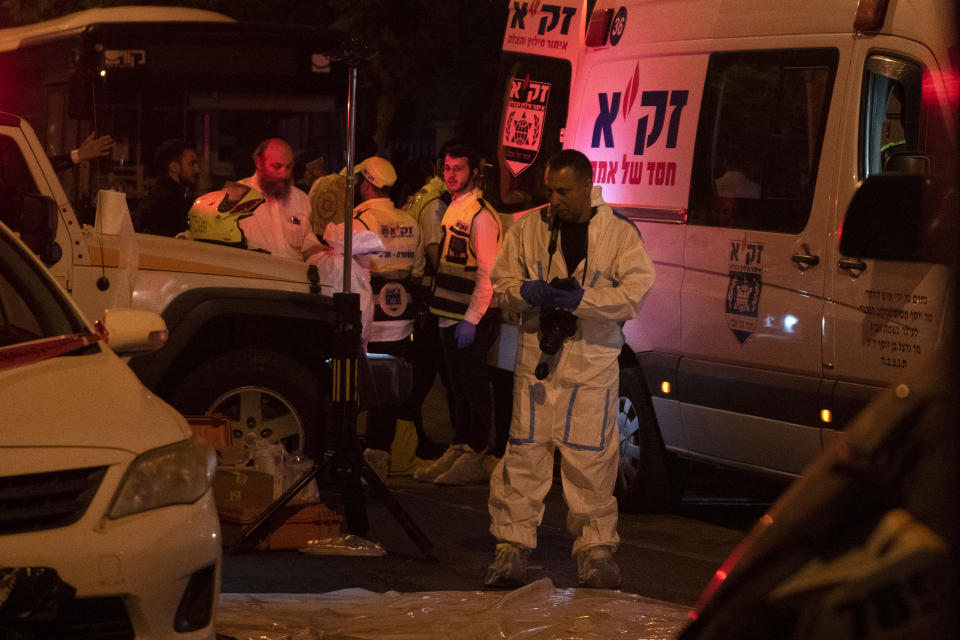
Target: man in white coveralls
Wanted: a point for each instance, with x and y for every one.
(576, 274)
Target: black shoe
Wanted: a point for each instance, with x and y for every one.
(429, 450)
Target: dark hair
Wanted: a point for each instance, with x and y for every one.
(168, 151)
(464, 151)
(575, 160)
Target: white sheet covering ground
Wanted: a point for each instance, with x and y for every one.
(537, 611)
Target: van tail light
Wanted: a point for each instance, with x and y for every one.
(870, 15)
(599, 27)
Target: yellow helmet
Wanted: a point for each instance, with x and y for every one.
(215, 216)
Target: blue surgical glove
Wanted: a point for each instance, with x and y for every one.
(535, 292)
(566, 298)
(465, 333)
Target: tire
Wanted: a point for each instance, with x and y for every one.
(649, 478)
(265, 395)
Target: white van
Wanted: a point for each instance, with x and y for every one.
(734, 133)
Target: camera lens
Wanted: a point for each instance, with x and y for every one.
(542, 371)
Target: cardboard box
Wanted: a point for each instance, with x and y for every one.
(242, 486)
(292, 527)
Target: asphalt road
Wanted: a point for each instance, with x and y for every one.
(669, 556)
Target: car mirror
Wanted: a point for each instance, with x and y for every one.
(133, 331)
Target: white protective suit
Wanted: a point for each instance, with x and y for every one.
(575, 407)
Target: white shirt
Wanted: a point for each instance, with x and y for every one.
(281, 227)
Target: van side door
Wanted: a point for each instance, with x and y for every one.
(752, 297)
(884, 317)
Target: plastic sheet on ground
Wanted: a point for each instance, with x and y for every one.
(537, 611)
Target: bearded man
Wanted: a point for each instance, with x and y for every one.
(281, 225)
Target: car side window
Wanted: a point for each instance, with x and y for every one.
(15, 176)
(760, 136)
(15, 182)
(889, 112)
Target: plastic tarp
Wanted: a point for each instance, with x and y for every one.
(536, 611)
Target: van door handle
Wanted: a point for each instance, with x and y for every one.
(805, 260)
(854, 266)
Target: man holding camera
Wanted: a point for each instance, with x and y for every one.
(575, 274)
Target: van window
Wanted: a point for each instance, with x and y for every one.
(759, 139)
(889, 111)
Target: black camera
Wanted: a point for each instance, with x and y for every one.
(556, 325)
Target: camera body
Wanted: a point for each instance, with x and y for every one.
(556, 325)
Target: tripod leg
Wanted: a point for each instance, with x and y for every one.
(354, 502)
(418, 537)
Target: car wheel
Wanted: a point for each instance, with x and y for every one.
(649, 478)
(264, 394)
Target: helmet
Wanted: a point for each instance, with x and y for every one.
(215, 216)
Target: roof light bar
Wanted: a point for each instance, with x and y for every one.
(599, 27)
(870, 15)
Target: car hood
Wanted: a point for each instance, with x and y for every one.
(159, 253)
(90, 400)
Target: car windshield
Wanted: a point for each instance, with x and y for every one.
(31, 306)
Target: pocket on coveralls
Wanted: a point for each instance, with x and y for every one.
(587, 415)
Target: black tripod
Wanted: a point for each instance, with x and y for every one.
(344, 450)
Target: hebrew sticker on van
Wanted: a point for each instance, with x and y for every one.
(643, 112)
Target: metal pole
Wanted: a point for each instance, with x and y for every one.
(351, 182)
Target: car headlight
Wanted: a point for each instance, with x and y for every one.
(176, 474)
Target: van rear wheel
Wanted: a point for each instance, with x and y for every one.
(649, 478)
(264, 394)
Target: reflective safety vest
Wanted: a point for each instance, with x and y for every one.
(427, 194)
(391, 269)
(433, 190)
(457, 272)
(215, 216)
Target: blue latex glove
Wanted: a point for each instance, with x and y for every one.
(565, 298)
(535, 292)
(465, 333)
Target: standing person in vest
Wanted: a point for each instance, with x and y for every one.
(461, 299)
(427, 206)
(576, 275)
(394, 273)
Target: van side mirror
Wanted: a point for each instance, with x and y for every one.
(912, 162)
(38, 228)
(892, 217)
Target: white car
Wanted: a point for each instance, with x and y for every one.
(100, 480)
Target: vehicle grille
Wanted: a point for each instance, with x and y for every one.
(83, 619)
(38, 501)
